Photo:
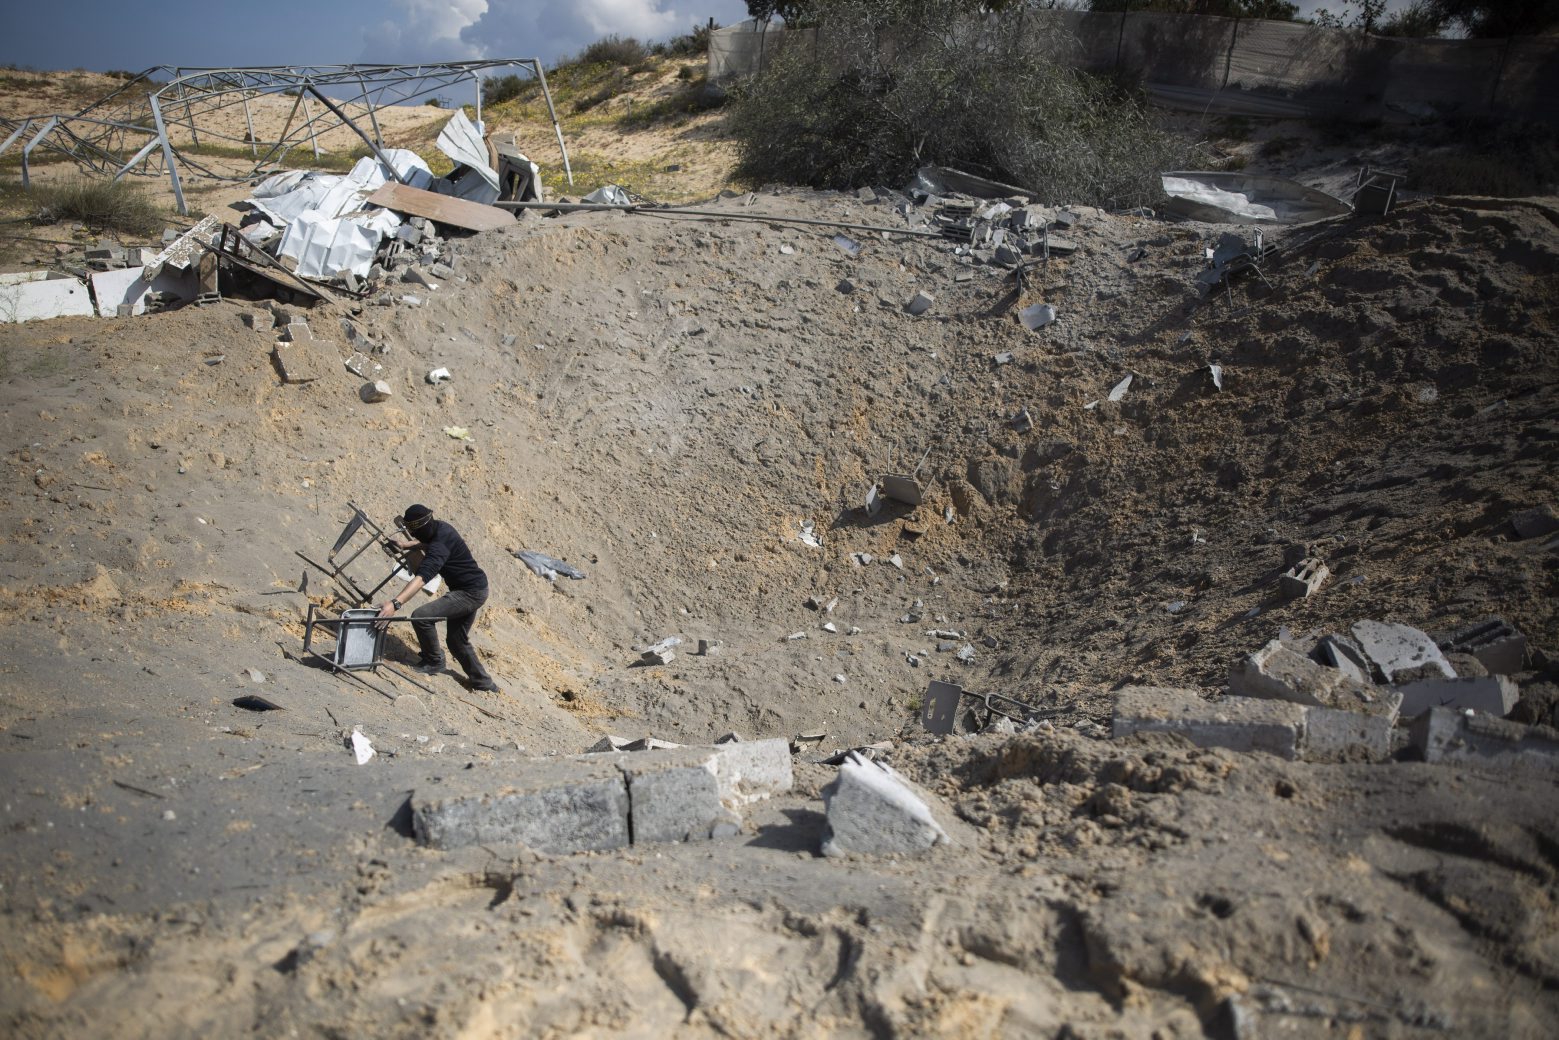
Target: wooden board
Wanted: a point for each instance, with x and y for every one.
(442, 208)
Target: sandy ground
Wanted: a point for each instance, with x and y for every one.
(677, 399)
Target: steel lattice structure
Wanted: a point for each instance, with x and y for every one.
(131, 130)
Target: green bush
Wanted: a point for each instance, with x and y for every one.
(890, 87)
(498, 89)
(614, 50)
(100, 204)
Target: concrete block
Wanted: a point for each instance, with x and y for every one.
(296, 362)
(375, 392)
(442, 271)
(1236, 723)
(1279, 672)
(1498, 645)
(1332, 733)
(297, 332)
(556, 806)
(920, 303)
(1400, 653)
(674, 796)
(1303, 578)
(1491, 694)
(873, 810)
(1446, 735)
(751, 770)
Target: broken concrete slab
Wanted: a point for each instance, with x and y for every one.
(608, 743)
(556, 806)
(114, 290)
(872, 810)
(1490, 694)
(1444, 735)
(297, 332)
(296, 362)
(1279, 672)
(1498, 645)
(1400, 653)
(1342, 654)
(1235, 723)
(1303, 578)
(40, 300)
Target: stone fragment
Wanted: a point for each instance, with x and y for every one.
(920, 303)
(373, 393)
(297, 332)
(1037, 316)
(1537, 522)
(1400, 653)
(608, 743)
(871, 809)
(296, 362)
(1446, 735)
(1236, 723)
(1491, 695)
(1498, 645)
(554, 806)
(1332, 733)
(1303, 578)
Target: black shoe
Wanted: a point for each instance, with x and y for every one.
(430, 667)
(484, 687)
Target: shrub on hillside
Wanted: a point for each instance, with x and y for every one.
(614, 50)
(891, 86)
(100, 204)
(498, 89)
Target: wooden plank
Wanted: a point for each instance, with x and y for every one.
(458, 213)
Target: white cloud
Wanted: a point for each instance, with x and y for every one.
(423, 30)
(534, 29)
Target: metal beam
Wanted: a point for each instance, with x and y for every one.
(167, 154)
(356, 130)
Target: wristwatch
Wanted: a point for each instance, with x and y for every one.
(395, 603)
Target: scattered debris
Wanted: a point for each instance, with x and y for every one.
(1037, 316)
(362, 748)
(439, 375)
(549, 567)
(1303, 578)
(662, 652)
(1119, 390)
(920, 303)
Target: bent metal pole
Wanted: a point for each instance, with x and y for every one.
(677, 211)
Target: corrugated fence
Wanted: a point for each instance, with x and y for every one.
(1251, 67)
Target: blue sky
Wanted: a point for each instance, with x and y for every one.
(126, 34)
(116, 34)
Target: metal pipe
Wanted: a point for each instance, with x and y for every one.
(366, 139)
(30, 145)
(655, 211)
(254, 145)
(167, 154)
(541, 74)
(308, 120)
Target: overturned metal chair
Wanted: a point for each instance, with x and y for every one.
(943, 710)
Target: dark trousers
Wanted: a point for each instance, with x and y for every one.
(460, 607)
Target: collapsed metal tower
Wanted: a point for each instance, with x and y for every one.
(132, 129)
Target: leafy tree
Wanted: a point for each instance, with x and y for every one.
(1497, 18)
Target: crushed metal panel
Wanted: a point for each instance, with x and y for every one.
(462, 142)
(903, 489)
(519, 178)
(939, 714)
(53, 298)
(441, 208)
(324, 247)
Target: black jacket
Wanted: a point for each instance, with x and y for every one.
(446, 554)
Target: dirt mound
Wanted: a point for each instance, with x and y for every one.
(665, 404)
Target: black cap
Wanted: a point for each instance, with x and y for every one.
(417, 517)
